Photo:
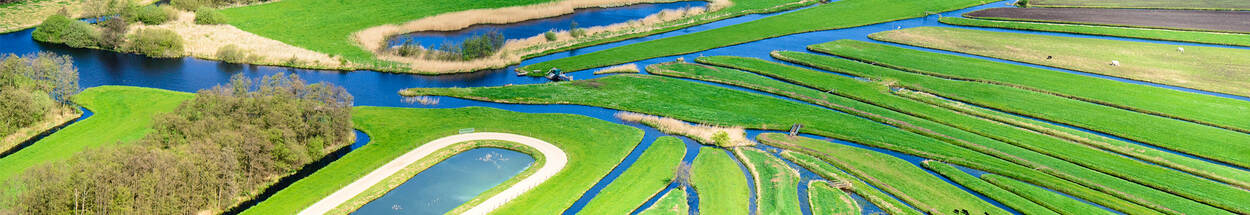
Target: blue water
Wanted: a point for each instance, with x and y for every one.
(450, 183)
(692, 151)
(587, 17)
(379, 89)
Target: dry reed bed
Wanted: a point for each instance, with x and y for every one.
(702, 133)
(623, 68)
(203, 41)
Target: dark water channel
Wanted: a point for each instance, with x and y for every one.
(98, 68)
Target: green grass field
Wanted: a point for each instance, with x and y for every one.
(1140, 33)
(394, 131)
(1205, 68)
(1151, 4)
(896, 176)
(719, 106)
(985, 188)
(720, 183)
(1159, 178)
(672, 203)
(1201, 140)
(835, 15)
(826, 200)
(653, 171)
(122, 114)
(776, 184)
(882, 200)
(1055, 201)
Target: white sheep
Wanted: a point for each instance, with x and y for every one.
(1180, 49)
(1115, 63)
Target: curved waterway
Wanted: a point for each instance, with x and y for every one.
(99, 68)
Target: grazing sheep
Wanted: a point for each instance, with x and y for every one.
(1180, 49)
(1115, 63)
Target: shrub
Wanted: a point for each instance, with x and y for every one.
(721, 138)
(209, 16)
(20, 108)
(551, 36)
(575, 31)
(114, 34)
(190, 5)
(158, 43)
(482, 45)
(150, 15)
(61, 29)
(232, 54)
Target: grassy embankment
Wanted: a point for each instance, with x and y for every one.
(59, 115)
(1009, 199)
(326, 27)
(672, 203)
(1049, 199)
(878, 94)
(896, 176)
(884, 201)
(826, 200)
(594, 150)
(835, 15)
(122, 114)
(399, 178)
(1203, 141)
(1204, 68)
(776, 184)
(719, 181)
(719, 106)
(1140, 33)
(653, 171)
(1108, 92)
(1146, 4)
(1196, 189)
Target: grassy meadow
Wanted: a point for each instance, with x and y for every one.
(593, 152)
(1204, 68)
(672, 203)
(653, 171)
(1055, 201)
(1231, 39)
(973, 183)
(122, 114)
(720, 183)
(834, 15)
(827, 200)
(776, 184)
(882, 200)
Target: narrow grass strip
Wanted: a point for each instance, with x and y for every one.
(896, 176)
(672, 203)
(1195, 189)
(776, 183)
(1060, 158)
(1128, 32)
(827, 200)
(1049, 199)
(653, 171)
(834, 15)
(720, 106)
(719, 182)
(876, 197)
(998, 194)
(1205, 141)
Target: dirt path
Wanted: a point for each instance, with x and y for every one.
(556, 160)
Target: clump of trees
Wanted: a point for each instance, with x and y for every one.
(61, 29)
(33, 85)
(475, 47)
(157, 42)
(208, 154)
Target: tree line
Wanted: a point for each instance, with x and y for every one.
(218, 149)
(33, 85)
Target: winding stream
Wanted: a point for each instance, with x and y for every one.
(370, 88)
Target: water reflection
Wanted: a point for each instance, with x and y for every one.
(451, 183)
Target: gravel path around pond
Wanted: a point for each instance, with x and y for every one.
(556, 160)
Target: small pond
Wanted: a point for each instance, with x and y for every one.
(450, 183)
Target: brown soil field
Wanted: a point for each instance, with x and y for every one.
(1202, 20)
(1148, 4)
